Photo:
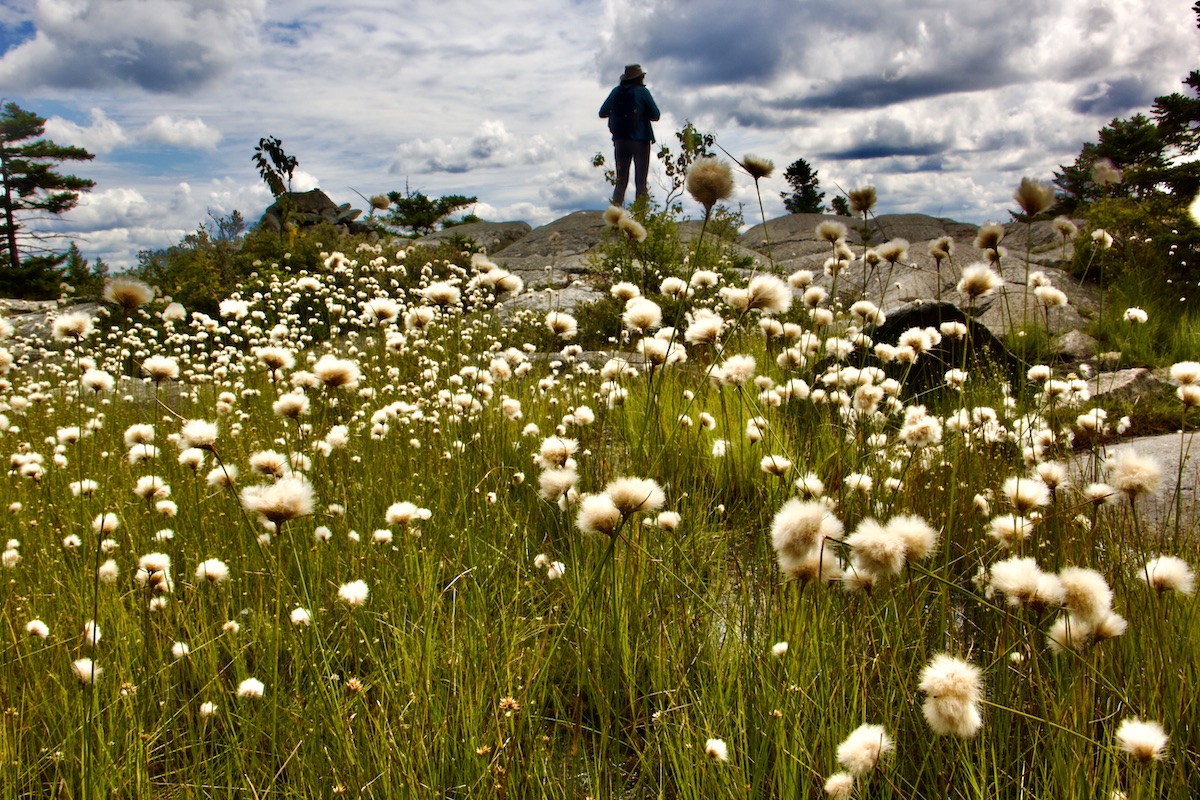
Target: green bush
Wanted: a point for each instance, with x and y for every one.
(1156, 247)
(204, 268)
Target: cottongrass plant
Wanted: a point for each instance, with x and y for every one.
(758, 168)
(733, 555)
(709, 181)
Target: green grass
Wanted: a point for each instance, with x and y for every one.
(468, 672)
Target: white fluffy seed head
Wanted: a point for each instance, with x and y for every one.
(863, 749)
(1144, 740)
(1169, 574)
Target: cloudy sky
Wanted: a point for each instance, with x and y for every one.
(942, 104)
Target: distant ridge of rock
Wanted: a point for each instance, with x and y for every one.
(495, 236)
(565, 251)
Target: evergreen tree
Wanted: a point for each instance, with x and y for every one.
(30, 186)
(1178, 115)
(87, 280)
(1155, 154)
(1142, 196)
(1134, 146)
(415, 212)
(804, 199)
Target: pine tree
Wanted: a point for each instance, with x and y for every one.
(31, 185)
(1155, 154)
(805, 199)
(87, 280)
(1134, 146)
(416, 212)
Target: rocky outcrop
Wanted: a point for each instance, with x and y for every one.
(568, 248)
(919, 277)
(492, 236)
(554, 253)
(1128, 383)
(794, 242)
(33, 321)
(565, 250)
(1074, 346)
(311, 208)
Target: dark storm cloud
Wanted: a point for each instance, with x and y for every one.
(158, 45)
(889, 138)
(1115, 98)
(884, 149)
(879, 91)
(817, 55)
(701, 43)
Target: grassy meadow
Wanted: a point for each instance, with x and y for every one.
(363, 534)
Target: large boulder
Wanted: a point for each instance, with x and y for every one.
(567, 247)
(919, 277)
(1128, 383)
(1074, 346)
(556, 251)
(33, 322)
(979, 347)
(310, 208)
(793, 238)
(689, 230)
(567, 298)
(571, 235)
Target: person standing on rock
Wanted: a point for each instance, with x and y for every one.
(629, 110)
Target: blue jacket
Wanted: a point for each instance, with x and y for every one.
(647, 109)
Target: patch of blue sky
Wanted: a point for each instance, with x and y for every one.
(13, 35)
(163, 161)
(47, 107)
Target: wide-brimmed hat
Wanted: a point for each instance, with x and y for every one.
(632, 73)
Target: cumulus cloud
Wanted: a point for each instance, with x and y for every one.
(187, 133)
(117, 224)
(527, 212)
(574, 187)
(223, 197)
(101, 135)
(304, 181)
(942, 104)
(118, 246)
(157, 45)
(110, 208)
(491, 144)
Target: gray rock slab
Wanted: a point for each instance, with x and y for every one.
(567, 298)
(1074, 346)
(1158, 511)
(1131, 382)
(495, 236)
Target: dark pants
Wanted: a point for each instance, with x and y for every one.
(625, 151)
